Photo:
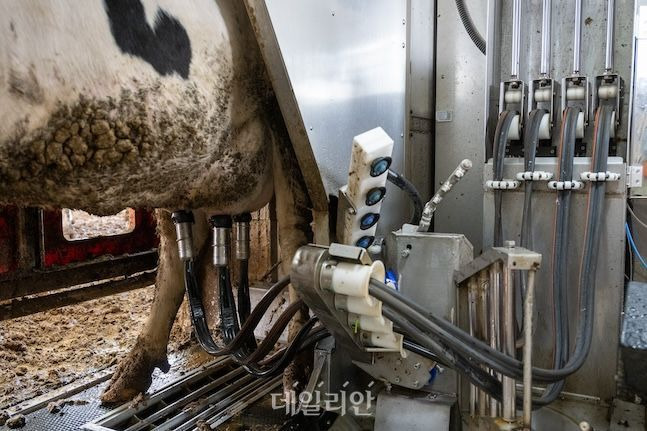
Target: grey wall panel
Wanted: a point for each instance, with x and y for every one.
(460, 90)
(420, 96)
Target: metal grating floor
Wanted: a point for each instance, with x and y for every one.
(213, 393)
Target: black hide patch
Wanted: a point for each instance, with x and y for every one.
(166, 47)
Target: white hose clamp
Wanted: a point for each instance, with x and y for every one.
(502, 185)
(599, 176)
(565, 185)
(534, 176)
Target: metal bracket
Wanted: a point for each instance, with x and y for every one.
(604, 83)
(634, 176)
(517, 258)
(576, 83)
(508, 97)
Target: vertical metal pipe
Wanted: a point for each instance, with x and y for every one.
(471, 305)
(516, 38)
(608, 61)
(509, 410)
(546, 18)
(483, 284)
(494, 323)
(577, 37)
(528, 306)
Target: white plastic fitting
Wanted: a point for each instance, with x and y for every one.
(544, 127)
(513, 96)
(350, 282)
(579, 126)
(352, 279)
(599, 176)
(576, 93)
(607, 91)
(387, 341)
(367, 147)
(514, 133)
(377, 324)
(534, 176)
(502, 185)
(565, 185)
(543, 94)
(367, 306)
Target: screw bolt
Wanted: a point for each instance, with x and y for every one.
(405, 253)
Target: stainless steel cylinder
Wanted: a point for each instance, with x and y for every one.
(611, 10)
(516, 38)
(494, 323)
(509, 390)
(546, 18)
(184, 238)
(472, 287)
(528, 306)
(241, 235)
(221, 245)
(482, 313)
(577, 37)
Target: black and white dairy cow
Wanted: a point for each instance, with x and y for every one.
(165, 104)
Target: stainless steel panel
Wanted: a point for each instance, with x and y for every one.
(597, 376)
(346, 63)
(420, 96)
(406, 412)
(260, 20)
(638, 154)
(425, 263)
(460, 72)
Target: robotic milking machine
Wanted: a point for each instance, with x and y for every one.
(438, 338)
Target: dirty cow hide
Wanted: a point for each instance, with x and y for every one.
(156, 103)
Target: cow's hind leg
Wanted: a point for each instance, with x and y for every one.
(294, 216)
(133, 374)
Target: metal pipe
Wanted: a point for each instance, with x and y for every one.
(516, 38)
(528, 306)
(483, 285)
(509, 391)
(430, 207)
(577, 37)
(608, 61)
(494, 323)
(471, 306)
(546, 19)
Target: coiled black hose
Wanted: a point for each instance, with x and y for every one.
(471, 30)
(406, 186)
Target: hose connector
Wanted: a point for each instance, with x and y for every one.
(241, 235)
(221, 225)
(183, 221)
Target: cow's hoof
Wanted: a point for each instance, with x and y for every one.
(134, 374)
